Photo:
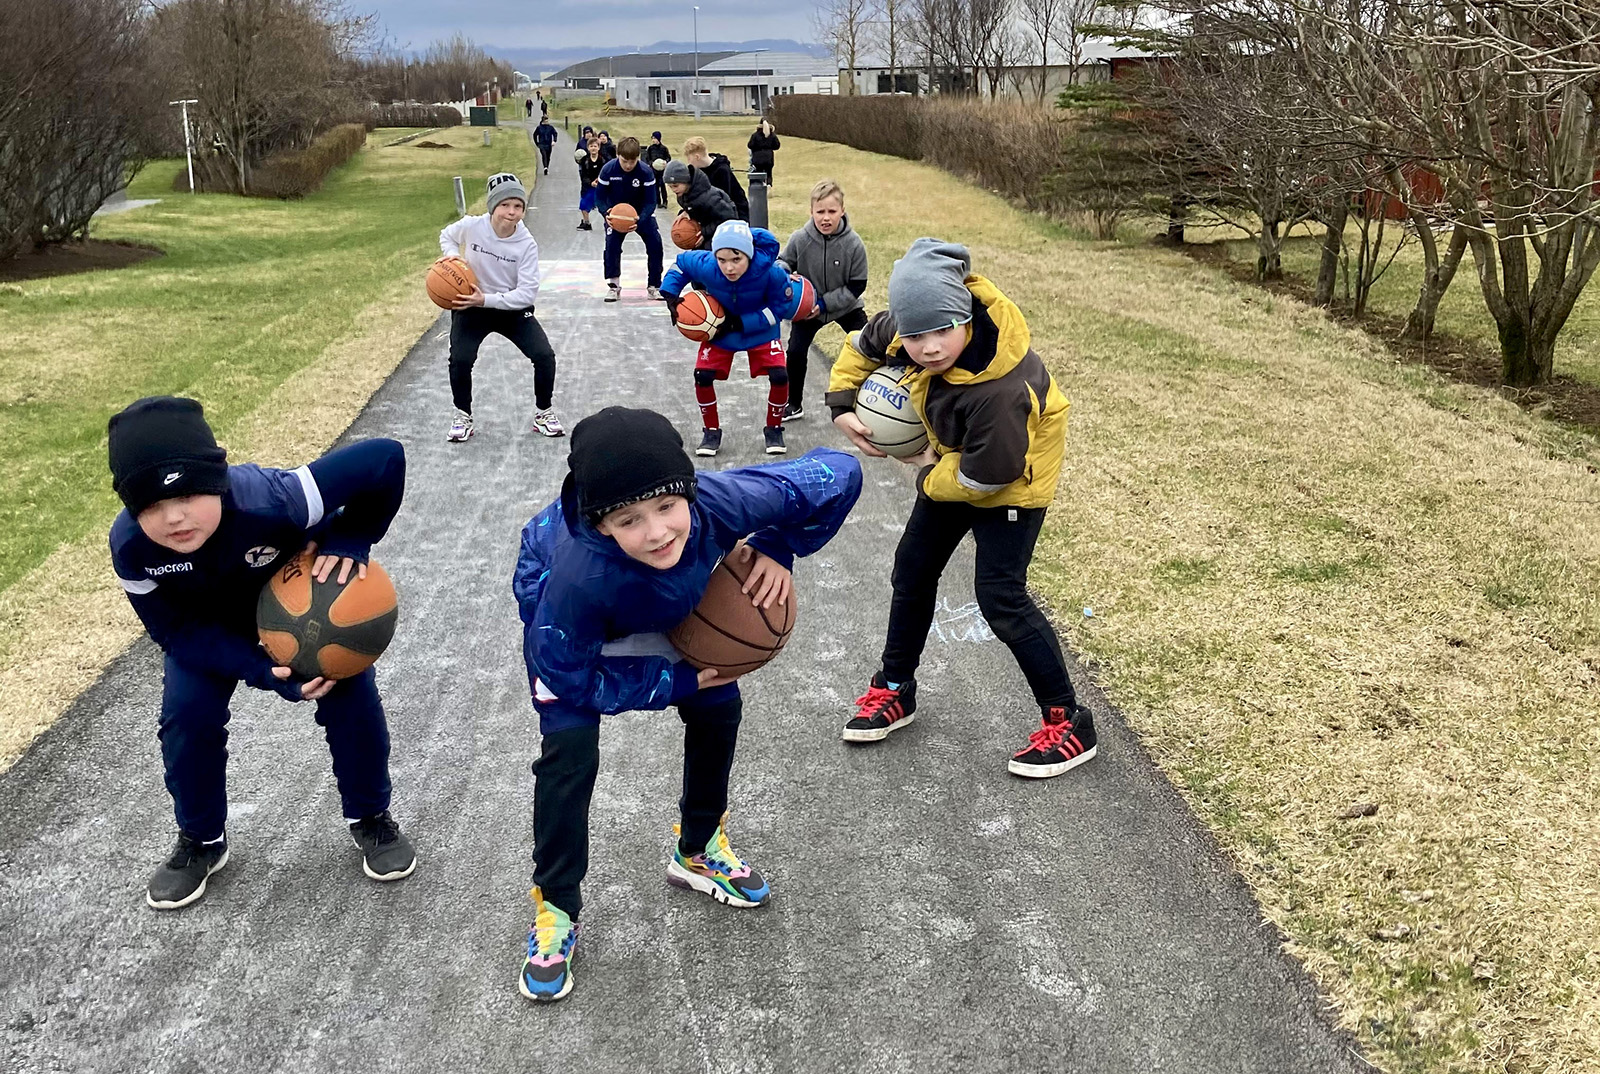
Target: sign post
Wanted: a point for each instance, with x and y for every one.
(188, 142)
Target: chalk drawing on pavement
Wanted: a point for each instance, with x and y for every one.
(965, 623)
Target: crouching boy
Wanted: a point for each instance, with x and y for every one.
(622, 557)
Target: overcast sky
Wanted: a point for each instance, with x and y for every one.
(602, 24)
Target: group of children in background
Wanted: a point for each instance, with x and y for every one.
(626, 549)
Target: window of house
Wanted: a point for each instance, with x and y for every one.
(672, 96)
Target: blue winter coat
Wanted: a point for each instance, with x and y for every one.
(763, 298)
(577, 590)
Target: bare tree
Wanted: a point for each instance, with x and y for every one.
(1042, 17)
(887, 36)
(843, 25)
(1073, 27)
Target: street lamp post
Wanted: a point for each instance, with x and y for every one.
(697, 61)
(188, 150)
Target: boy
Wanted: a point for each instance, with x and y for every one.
(196, 542)
(719, 171)
(544, 136)
(656, 154)
(589, 165)
(624, 181)
(505, 258)
(608, 152)
(741, 272)
(704, 203)
(621, 557)
(997, 428)
(834, 259)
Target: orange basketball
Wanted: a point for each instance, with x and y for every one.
(447, 278)
(685, 233)
(725, 631)
(324, 628)
(699, 315)
(623, 218)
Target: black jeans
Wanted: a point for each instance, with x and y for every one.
(801, 335)
(1005, 538)
(469, 328)
(544, 154)
(563, 784)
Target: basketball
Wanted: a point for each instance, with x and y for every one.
(699, 315)
(659, 165)
(883, 403)
(808, 297)
(447, 278)
(323, 628)
(685, 233)
(623, 218)
(579, 153)
(725, 631)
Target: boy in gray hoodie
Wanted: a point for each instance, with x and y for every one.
(834, 259)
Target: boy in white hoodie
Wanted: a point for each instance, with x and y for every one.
(505, 259)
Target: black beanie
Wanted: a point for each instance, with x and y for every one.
(162, 447)
(621, 456)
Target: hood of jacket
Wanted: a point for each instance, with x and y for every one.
(1009, 340)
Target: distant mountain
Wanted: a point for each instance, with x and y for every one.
(534, 60)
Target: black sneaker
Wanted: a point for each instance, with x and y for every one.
(710, 443)
(774, 435)
(585, 226)
(793, 411)
(385, 853)
(182, 879)
(881, 710)
(1060, 744)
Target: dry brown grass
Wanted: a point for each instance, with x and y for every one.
(1320, 578)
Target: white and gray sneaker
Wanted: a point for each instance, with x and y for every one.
(545, 423)
(654, 293)
(613, 290)
(461, 428)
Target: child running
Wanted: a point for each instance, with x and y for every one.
(622, 557)
(741, 272)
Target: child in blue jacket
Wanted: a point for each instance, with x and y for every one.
(621, 558)
(741, 271)
(196, 543)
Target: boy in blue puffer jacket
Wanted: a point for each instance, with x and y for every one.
(621, 558)
(741, 271)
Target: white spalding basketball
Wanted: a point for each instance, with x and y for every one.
(883, 403)
(580, 153)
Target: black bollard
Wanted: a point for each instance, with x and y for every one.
(758, 198)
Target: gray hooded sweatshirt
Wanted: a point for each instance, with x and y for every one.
(835, 264)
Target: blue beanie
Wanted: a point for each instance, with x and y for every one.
(734, 235)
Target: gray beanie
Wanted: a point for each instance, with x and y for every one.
(927, 289)
(503, 185)
(676, 172)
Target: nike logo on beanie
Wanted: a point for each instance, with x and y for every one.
(170, 478)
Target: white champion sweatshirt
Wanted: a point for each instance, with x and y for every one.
(507, 269)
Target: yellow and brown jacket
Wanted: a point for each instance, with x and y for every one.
(996, 418)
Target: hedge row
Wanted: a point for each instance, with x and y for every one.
(1009, 147)
(286, 175)
(414, 115)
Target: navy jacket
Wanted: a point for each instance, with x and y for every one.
(763, 297)
(544, 135)
(201, 607)
(577, 590)
(636, 188)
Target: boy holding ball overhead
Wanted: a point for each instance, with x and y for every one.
(195, 544)
(622, 557)
(997, 428)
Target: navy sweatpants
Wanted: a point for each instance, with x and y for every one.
(194, 746)
(651, 234)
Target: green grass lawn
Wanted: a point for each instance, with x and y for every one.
(249, 291)
(1461, 313)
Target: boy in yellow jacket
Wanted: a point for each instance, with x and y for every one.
(997, 428)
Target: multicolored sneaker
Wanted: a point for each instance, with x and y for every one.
(545, 423)
(460, 428)
(717, 871)
(881, 710)
(1060, 744)
(547, 972)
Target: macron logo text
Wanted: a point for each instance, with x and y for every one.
(169, 568)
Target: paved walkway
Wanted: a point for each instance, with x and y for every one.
(932, 913)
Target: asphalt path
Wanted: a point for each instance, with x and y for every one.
(931, 912)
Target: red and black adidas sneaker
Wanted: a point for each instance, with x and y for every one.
(881, 710)
(1059, 745)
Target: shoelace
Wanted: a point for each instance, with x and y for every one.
(548, 931)
(185, 853)
(877, 698)
(1049, 736)
(381, 827)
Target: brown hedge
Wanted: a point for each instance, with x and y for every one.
(284, 175)
(414, 115)
(1015, 149)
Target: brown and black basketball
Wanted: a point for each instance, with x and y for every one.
(725, 631)
(323, 628)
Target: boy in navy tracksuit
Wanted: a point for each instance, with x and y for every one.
(622, 557)
(196, 543)
(624, 181)
(741, 271)
(544, 136)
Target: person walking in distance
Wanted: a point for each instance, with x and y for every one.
(763, 146)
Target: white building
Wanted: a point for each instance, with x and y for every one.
(745, 82)
(1097, 61)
